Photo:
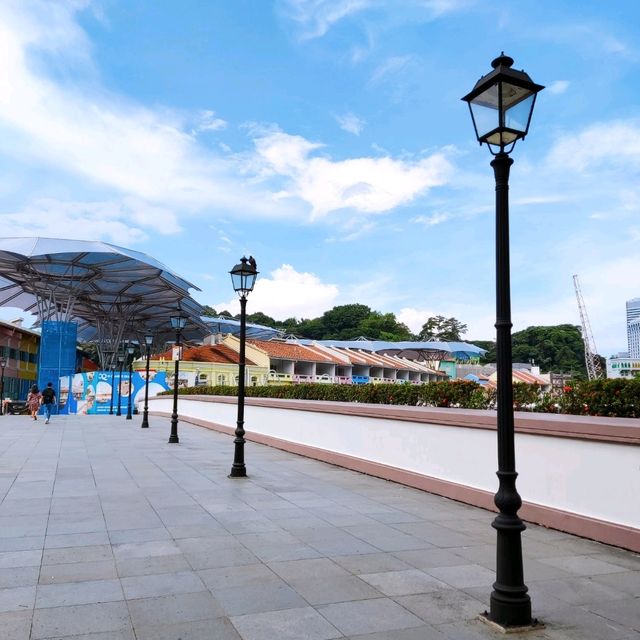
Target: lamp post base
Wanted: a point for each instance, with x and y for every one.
(173, 440)
(238, 472)
(535, 625)
(145, 420)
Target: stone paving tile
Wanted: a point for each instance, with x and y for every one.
(215, 629)
(583, 565)
(17, 598)
(26, 506)
(174, 609)
(77, 572)
(403, 583)
(446, 605)
(76, 540)
(16, 625)
(162, 584)
(386, 538)
(139, 535)
(75, 593)
(462, 576)
(367, 616)
(10, 559)
(291, 624)
(150, 565)
(22, 543)
(106, 635)
(80, 619)
(371, 563)
(425, 632)
(91, 553)
(628, 582)
(426, 559)
(19, 577)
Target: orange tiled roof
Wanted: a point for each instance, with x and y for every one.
(218, 353)
(289, 351)
(530, 378)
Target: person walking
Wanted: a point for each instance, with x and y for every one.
(33, 401)
(48, 401)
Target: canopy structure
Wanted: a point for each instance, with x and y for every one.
(113, 294)
(411, 350)
(228, 325)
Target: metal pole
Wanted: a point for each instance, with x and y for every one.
(510, 602)
(145, 413)
(239, 470)
(2, 392)
(173, 438)
(118, 410)
(113, 374)
(130, 389)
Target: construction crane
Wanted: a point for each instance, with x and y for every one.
(591, 357)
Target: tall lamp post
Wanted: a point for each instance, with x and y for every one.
(121, 361)
(130, 350)
(177, 322)
(3, 364)
(501, 105)
(243, 277)
(148, 340)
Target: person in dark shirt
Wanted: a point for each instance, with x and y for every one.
(48, 401)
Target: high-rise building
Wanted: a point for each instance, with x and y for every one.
(633, 314)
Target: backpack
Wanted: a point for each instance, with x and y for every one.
(48, 395)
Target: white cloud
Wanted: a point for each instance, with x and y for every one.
(209, 122)
(430, 221)
(607, 144)
(288, 293)
(414, 318)
(126, 221)
(350, 123)
(390, 68)
(366, 185)
(558, 87)
(77, 127)
(314, 18)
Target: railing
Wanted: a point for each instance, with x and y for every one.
(360, 379)
(274, 376)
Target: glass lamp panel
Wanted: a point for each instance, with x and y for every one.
(501, 138)
(513, 94)
(251, 280)
(237, 278)
(148, 340)
(485, 117)
(517, 116)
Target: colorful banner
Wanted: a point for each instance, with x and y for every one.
(91, 392)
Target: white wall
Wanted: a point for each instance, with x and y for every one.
(587, 477)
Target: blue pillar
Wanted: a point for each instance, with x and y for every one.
(57, 356)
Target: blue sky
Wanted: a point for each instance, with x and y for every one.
(327, 139)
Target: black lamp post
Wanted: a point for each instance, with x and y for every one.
(121, 361)
(243, 277)
(108, 364)
(501, 105)
(130, 350)
(177, 322)
(148, 340)
(3, 364)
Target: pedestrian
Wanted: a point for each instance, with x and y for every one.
(33, 401)
(48, 400)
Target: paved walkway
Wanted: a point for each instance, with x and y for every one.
(109, 533)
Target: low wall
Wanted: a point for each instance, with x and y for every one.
(576, 474)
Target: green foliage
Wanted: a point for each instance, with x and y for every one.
(619, 397)
(442, 329)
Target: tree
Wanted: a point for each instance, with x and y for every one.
(383, 326)
(442, 329)
(209, 312)
(261, 318)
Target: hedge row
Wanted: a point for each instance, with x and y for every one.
(617, 397)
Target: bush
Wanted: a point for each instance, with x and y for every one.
(619, 397)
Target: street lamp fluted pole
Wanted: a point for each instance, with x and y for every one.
(118, 408)
(3, 364)
(177, 322)
(243, 277)
(130, 350)
(501, 105)
(145, 414)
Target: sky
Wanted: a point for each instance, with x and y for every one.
(327, 139)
